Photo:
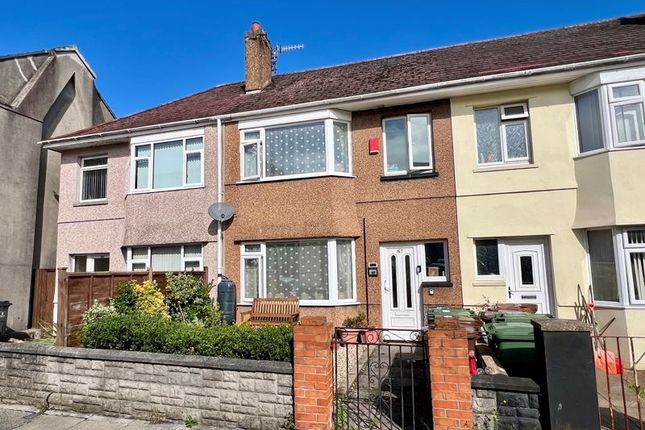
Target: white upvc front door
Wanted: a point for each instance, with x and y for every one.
(527, 273)
(401, 287)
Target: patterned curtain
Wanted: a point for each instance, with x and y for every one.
(638, 273)
(341, 149)
(295, 149)
(345, 278)
(489, 146)
(298, 269)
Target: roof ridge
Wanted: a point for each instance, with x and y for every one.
(490, 39)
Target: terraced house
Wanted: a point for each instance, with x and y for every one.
(501, 170)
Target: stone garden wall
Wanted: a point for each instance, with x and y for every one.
(503, 403)
(218, 392)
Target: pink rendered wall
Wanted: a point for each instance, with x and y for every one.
(155, 218)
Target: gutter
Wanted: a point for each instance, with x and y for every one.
(420, 89)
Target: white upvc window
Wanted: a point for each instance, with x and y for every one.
(616, 259)
(407, 142)
(317, 271)
(435, 267)
(93, 178)
(171, 258)
(167, 162)
(627, 107)
(503, 134)
(90, 262)
(296, 150)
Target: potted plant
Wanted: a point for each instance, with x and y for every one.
(353, 327)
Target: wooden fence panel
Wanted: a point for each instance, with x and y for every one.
(43, 300)
(78, 291)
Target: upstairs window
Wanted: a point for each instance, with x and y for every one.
(93, 178)
(168, 165)
(589, 121)
(628, 119)
(296, 150)
(408, 144)
(502, 134)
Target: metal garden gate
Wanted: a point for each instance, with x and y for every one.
(381, 379)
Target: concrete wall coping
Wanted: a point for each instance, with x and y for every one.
(559, 325)
(198, 361)
(504, 383)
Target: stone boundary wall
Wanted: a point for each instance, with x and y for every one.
(223, 393)
(502, 403)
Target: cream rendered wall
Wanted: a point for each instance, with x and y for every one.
(538, 199)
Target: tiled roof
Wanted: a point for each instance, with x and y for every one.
(579, 43)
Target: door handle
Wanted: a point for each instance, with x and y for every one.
(510, 294)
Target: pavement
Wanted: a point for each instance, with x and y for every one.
(27, 418)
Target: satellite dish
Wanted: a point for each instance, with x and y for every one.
(221, 211)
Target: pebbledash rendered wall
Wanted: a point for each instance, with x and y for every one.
(218, 392)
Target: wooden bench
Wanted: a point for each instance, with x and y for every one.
(274, 311)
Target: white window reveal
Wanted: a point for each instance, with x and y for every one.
(502, 134)
(90, 263)
(166, 258)
(274, 150)
(93, 178)
(172, 161)
(408, 144)
(317, 271)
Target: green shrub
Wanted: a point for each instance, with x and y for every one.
(139, 332)
(145, 298)
(359, 321)
(188, 299)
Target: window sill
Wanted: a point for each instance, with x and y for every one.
(502, 167)
(295, 178)
(436, 284)
(91, 203)
(312, 305)
(411, 175)
(192, 187)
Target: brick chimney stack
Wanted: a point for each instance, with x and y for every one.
(258, 58)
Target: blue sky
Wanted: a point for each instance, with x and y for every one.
(149, 52)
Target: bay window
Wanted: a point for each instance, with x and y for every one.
(317, 271)
(617, 265)
(502, 134)
(626, 105)
(174, 258)
(311, 148)
(167, 164)
(408, 144)
(93, 178)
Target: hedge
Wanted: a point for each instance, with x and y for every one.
(139, 332)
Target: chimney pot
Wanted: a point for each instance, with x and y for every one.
(258, 58)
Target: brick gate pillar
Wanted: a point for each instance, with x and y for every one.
(313, 374)
(449, 376)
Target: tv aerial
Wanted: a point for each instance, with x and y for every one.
(279, 49)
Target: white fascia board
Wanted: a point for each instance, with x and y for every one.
(607, 77)
(273, 120)
(171, 135)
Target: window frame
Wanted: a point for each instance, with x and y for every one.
(603, 127)
(614, 102)
(504, 120)
(332, 271)
(330, 168)
(90, 261)
(92, 168)
(408, 138)
(424, 276)
(500, 261)
(628, 249)
(183, 137)
(148, 260)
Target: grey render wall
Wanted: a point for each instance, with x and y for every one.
(42, 94)
(222, 393)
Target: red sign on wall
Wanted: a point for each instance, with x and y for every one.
(373, 145)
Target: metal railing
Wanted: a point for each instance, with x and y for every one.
(620, 371)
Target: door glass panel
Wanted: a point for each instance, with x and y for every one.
(526, 269)
(395, 292)
(408, 282)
